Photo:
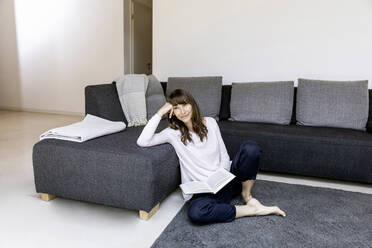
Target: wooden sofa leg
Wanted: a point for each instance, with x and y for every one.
(47, 197)
(147, 215)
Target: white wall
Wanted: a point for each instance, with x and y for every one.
(9, 63)
(263, 40)
(61, 47)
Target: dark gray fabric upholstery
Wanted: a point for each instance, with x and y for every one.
(103, 101)
(225, 112)
(293, 118)
(369, 122)
(111, 170)
(164, 86)
(334, 153)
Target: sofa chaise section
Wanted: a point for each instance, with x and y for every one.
(110, 170)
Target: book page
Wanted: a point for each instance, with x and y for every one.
(195, 187)
(219, 179)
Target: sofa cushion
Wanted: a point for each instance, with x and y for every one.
(336, 153)
(103, 101)
(337, 136)
(265, 102)
(205, 90)
(342, 104)
(155, 98)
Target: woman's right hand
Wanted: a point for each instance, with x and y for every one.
(167, 107)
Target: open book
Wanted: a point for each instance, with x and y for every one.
(213, 184)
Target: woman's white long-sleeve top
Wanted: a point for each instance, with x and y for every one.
(198, 159)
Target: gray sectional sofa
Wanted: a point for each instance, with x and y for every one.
(113, 170)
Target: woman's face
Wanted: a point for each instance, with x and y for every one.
(183, 112)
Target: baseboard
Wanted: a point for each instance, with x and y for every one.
(43, 111)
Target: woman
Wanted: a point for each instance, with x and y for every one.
(201, 151)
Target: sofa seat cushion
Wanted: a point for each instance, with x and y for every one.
(337, 136)
(334, 153)
(112, 170)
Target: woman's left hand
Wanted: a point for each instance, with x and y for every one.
(171, 113)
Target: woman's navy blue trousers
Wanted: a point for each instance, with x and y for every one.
(209, 208)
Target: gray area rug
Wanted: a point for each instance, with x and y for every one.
(316, 217)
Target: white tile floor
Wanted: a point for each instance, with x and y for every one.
(27, 221)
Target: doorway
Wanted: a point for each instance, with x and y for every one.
(138, 34)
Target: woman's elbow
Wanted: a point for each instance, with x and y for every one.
(141, 143)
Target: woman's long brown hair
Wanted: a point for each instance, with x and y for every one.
(180, 96)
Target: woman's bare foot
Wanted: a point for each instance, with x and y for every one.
(246, 190)
(264, 210)
(246, 197)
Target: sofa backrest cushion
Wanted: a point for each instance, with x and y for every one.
(205, 90)
(262, 102)
(103, 101)
(342, 104)
(226, 96)
(155, 98)
(225, 113)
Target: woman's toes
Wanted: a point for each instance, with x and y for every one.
(279, 211)
(264, 210)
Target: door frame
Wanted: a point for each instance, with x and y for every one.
(131, 43)
(131, 32)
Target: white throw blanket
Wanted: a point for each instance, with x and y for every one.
(132, 95)
(89, 128)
